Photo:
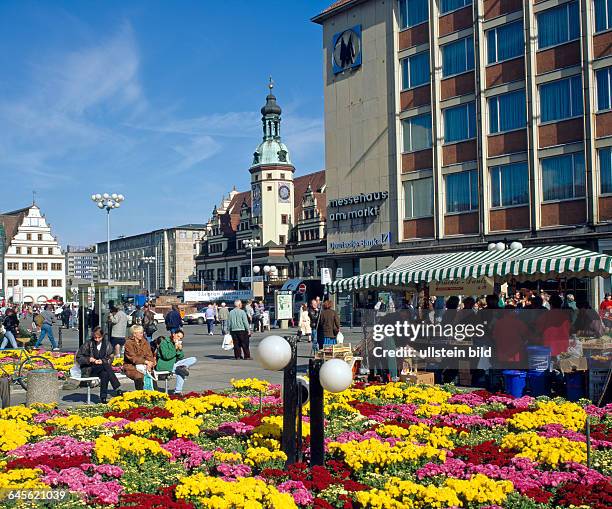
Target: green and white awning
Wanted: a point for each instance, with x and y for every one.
(532, 263)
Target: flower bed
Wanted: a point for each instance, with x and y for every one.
(387, 446)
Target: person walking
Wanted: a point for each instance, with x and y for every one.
(66, 316)
(148, 322)
(119, 322)
(138, 358)
(248, 309)
(173, 319)
(240, 332)
(257, 316)
(313, 315)
(304, 324)
(46, 329)
(170, 357)
(209, 314)
(95, 357)
(223, 317)
(11, 326)
(329, 325)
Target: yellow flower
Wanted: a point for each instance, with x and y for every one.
(202, 405)
(569, 415)
(551, 451)
(258, 455)
(22, 479)
(254, 384)
(15, 433)
(20, 413)
(228, 457)
(180, 426)
(134, 399)
(272, 426)
(109, 450)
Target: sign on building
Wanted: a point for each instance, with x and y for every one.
(217, 295)
(471, 286)
(284, 305)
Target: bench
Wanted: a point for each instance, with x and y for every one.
(164, 376)
(90, 379)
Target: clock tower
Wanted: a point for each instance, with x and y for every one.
(272, 180)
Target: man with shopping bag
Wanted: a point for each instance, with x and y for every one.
(240, 331)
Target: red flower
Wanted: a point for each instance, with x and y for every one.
(319, 503)
(507, 413)
(148, 501)
(596, 496)
(485, 453)
(50, 460)
(141, 412)
(538, 495)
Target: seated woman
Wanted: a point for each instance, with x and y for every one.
(95, 357)
(170, 357)
(137, 357)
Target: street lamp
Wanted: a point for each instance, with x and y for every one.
(276, 353)
(108, 202)
(250, 244)
(148, 260)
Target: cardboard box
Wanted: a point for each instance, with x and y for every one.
(418, 378)
(573, 364)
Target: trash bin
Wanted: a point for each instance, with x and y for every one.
(43, 387)
(538, 382)
(515, 382)
(5, 392)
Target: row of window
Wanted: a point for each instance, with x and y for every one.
(30, 250)
(29, 283)
(557, 25)
(559, 100)
(30, 266)
(29, 236)
(563, 178)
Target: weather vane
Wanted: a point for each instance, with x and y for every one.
(271, 84)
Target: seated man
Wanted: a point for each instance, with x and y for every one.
(95, 357)
(170, 357)
(138, 358)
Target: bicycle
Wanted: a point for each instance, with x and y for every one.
(23, 364)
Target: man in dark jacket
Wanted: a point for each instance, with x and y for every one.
(313, 314)
(95, 358)
(173, 319)
(329, 325)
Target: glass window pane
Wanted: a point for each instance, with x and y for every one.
(512, 111)
(458, 191)
(579, 175)
(558, 177)
(451, 5)
(413, 12)
(555, 102)
(558, 25)
(423, 197)
(603, 89)
(405, 75)
(457, 57)
(576, 98)
(419, 69)
(493, 117)
(495, 182)
(473, 189)
(600, 15)
(510, 40)
(459, 122)
(605, 169)
(514, 184)
(491, 46)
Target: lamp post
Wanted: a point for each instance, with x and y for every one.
(108, 202)
(250, 244)
(276, 353)
(148, 260)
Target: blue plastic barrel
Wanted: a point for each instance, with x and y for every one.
(538, 358)
(538, 382)
(575, 383)
(515, 381)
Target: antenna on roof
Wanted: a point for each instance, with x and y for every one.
(33, 197)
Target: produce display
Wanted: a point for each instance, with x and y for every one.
(392, 445)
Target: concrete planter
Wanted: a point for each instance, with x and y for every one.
(43, 387)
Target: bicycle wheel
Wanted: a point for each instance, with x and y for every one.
(34, 362)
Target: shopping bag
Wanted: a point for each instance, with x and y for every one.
(148, 382)
(340, 338)
(228, 342)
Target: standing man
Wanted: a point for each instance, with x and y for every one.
(313, 315)
(239, 329)
(47, 327)
(249, 310)
(148, 322)
(209, 314)
(118, 321)
(173, 319)
(223, 317)
(66, 316)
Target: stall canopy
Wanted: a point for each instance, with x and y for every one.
(533, 263)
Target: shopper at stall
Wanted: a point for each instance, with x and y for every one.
(554, 327)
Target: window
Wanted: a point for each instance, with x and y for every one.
(42, 266)
(182, 235)
(282, 176)
(233, 273)
(12, 282)
(604, 88)
(50, 250)
(40, 250)
(509, 185)
(269, 188)
(415, 70)
(605, 169)
(462, 191)
(563, 177)
(413, 12)
(603, 15)
(40, 236)
(561, 99)
(12, 266)
(459, 122)
(42, 283)
(284, 219)
(453, 5)
(558, 25)
(220, 274)
(418, 198)
(268, 175)
(417, 132)
(507, 112)
(18, 250)
(56, 283)
(29, 250)
(28, 283)
(27, 266)
(28, 236)
(505, 42)
(282, 240)
(56, 266)
(458, 57)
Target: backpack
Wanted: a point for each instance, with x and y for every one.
(39, 320)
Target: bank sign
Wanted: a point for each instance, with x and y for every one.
(364, 205)
(378, 241)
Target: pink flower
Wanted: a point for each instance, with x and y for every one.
(233, 471)
(65, 446)
(298, 491)
(94, 487)
(189, 452)
(235, 428)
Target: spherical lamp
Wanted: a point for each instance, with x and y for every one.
(516, 245)
(256, 269)
(491, 247)
(274, 353)
(266, 268)
(336, 375)
(500, 246)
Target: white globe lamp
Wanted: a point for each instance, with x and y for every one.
(256, 269)
(500, 246)
(266, 268)
(274, 353)
(516, 245)
(336, 375)
(491, 247)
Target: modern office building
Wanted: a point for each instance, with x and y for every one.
(81, 264)
(450, 124)
(33, 260)
(162, 259)
(285, 214)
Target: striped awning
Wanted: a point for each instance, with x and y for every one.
(532, 263)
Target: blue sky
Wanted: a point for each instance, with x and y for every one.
(158, 100)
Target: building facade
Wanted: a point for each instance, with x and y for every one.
(450, 124)
(81, 264)
(284, 213)
(162, 260)
(34, 265)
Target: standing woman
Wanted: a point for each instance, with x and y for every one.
(329, 325)
(304, 324)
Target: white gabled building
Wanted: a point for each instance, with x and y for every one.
(33, 265)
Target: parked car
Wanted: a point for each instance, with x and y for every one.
(159, 318)
(198, 317)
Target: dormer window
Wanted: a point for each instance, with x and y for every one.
(268, 175)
